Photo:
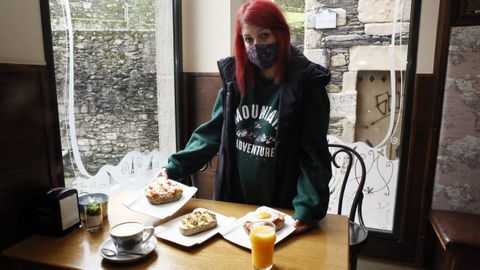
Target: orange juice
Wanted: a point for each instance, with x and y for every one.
(262, 238)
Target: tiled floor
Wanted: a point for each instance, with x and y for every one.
(364, 263)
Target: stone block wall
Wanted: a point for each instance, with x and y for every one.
(363, 30)
(115, 80)
(115, 94)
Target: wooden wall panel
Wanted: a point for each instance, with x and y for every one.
(201, 90)
(26, 148)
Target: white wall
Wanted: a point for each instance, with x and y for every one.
(427, 36)
(21, 32)
(207, 28)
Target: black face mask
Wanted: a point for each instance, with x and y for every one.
(263, 55)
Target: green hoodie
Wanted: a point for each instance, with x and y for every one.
(256, 126)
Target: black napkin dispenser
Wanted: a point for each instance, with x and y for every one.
(57, 211)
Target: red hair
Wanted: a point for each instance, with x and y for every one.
(264, 14)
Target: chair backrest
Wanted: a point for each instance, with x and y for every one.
(352, 158)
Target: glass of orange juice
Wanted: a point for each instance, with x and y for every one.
(262, 239)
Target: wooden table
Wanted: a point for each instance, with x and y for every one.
(325, 247)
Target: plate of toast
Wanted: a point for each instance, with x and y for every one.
(161, 198)
(237, 232)
(193, 228)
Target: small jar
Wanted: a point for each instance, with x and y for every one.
(93, 216)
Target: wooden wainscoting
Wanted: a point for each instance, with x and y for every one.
(201, 90)
(27, 148)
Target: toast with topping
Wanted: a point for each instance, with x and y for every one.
(278, 219)
(198, 221)
(162, 191)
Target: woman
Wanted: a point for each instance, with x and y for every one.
(269, 122)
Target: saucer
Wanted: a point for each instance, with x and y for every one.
(144, 250)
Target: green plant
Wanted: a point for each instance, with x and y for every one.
(93, 208)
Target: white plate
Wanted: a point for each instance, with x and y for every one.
(138, 202)
(144, 250)
(235, 233)
(169, 231)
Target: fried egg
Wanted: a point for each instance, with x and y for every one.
(263, 215)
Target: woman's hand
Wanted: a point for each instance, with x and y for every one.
(162, 173)
(300, 227)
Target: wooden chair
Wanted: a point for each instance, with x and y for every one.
(358, 233)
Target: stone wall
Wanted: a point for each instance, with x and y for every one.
(358, 42)
(115, 94)
(115, 80)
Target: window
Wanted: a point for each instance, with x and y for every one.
(117, 64)
(366, 51)
(115, 78)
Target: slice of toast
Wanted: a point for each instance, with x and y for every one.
(198, 221)
(160, 192)
(278, 220)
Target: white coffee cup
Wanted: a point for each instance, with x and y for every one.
(129, 236)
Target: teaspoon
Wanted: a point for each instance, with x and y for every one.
(110, 252)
